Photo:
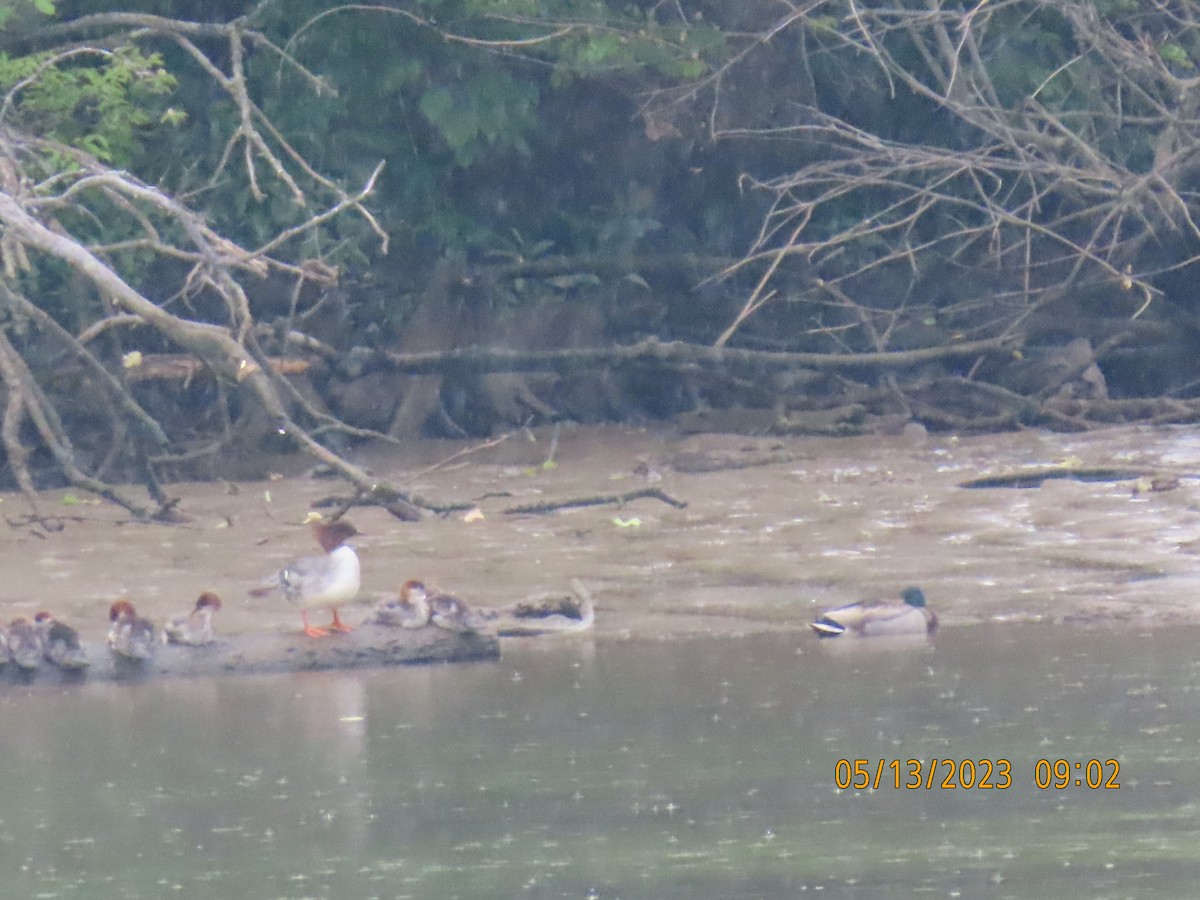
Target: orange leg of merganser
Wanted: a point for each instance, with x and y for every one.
(339, 625)
(312, 630)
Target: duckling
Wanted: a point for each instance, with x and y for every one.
(315, 582)
(25, 644)
(875, 618)
(409, 610)
(130, 637)
(453, 614)
(194, 628)
(62, 645)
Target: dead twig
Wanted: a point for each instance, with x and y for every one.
(599, 500)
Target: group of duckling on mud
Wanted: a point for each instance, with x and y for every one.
(325, 581)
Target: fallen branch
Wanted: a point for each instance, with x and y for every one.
(183, 368)
(120, 396)
(479, 360)
(1037, 477)
(466, 451)
(211, 343)
(599, 500)
(33, 403)
(403, 507)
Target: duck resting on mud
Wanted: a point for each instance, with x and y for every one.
(555, 614)
(196, 627)
(61, 643)
(409, 609)
(25, 644)
(130, 636)
(906, 615)
(417, 606)
(452, 613)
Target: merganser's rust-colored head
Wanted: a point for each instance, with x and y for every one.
(413, 592)
(208, 600)
(122, 609)
(331, 535)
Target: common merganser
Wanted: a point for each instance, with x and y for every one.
(315, 582)
(194, 628)
(453, 614)
(409, 610)
(130, 636)
(906, 615)
(61, 643)
(25, 646)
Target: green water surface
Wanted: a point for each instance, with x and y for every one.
(698, 768)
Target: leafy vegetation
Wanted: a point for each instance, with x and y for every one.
(841, 178)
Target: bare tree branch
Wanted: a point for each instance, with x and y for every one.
(1047, 189)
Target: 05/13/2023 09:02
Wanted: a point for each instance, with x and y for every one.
(977, 774)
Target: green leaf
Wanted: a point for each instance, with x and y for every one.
(599, 49)
(1174, 53)
(173, 116)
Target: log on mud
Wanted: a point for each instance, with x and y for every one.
(368, 647)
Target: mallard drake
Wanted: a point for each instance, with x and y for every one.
(194, 628)
(130, 637)
(61, 642)
(320, 582)
(408, 610)
(25, 646)
(907, 614)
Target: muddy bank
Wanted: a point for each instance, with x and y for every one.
(796, 525)
(367, 647)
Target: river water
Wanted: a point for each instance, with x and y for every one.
(701, 767)
(690, 745)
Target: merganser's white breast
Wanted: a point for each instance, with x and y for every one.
(329, 580)
(315, 581)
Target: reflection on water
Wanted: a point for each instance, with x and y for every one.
(702, 768)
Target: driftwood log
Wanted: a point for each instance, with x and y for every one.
(367, 647)
(1033, 478)
(676, 353)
